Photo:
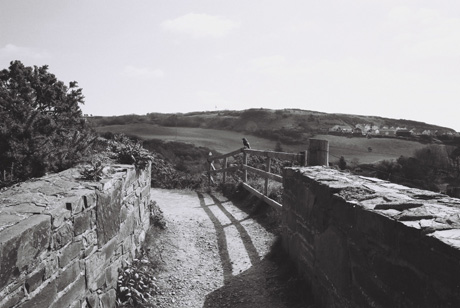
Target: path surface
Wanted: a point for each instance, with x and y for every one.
(212, 254)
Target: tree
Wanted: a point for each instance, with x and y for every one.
(279, 147)
(454, 155)
(342, 163)
(42, 127)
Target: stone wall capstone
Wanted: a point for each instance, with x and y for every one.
(62, 239)
(364, 242)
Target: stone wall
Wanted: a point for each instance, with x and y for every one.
(363, 242)
(62, 240)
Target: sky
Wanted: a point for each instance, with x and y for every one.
(388, 58)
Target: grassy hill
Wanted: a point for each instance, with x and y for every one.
(221, 141)
(224, 141)
(184, 141)
(291, 128)
(258, 121)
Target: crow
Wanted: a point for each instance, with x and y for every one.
(246, 143)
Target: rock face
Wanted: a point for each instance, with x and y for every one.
(363, 242)
(62, 239)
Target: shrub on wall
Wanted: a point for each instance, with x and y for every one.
(42, 128)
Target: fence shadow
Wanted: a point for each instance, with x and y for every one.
(270, 282)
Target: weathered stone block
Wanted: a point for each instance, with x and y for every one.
(141, 210)
(35, 279)
(108, 298)
(92, 300)
(69, 253)
(42, 299)
(75, 291)
(74, 225)
(62, 236)
(95, 271)
(74, 203)
(145, 193)
(108, 214)
(89, 198)
(128, 248)
(108, 250)
(76, 304)
(59, 214)
(82, 222)
(111, 274)
(13, 298)
(68, 276)
(21, 244)
(8, 220)
(51, 266)
(128, 226)
(89, 238)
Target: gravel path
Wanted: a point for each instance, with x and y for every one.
(213, 254)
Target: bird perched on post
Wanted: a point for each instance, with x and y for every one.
(246, 143)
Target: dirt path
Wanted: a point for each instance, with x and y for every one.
(213, 254)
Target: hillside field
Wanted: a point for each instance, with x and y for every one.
(226, 141)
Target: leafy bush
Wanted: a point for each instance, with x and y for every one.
(93, 171)
(129, 151)
(42, 128)
(136, 285)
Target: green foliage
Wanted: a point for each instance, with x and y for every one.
(42, 128)
(93, 171)
(136, 285)
(287, 136)
(342, 163)
(279, 147)
(186, 157)
(129, 151)
(429, 167)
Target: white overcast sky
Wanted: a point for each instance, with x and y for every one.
(398, 59)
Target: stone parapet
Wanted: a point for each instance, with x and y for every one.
(364, 242)
(62, 239)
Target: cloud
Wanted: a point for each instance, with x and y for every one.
(14, 52)
(201, 25)
(142, 72)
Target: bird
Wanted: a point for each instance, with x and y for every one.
(246, 143)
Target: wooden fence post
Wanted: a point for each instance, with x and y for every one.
(210, 168)
(318, 152)
(225, 166)
(245, 162)
(269, 165)
(304, 158)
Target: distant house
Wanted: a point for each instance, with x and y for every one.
(341, 129)
(357, 131)
(403, 133)
(388, 131)
(427, 132)
(415, 131)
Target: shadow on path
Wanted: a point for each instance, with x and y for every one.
(221, 240)
(268, 283)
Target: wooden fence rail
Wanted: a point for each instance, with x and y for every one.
(317, 154)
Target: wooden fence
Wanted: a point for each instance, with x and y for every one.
(317, 154)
